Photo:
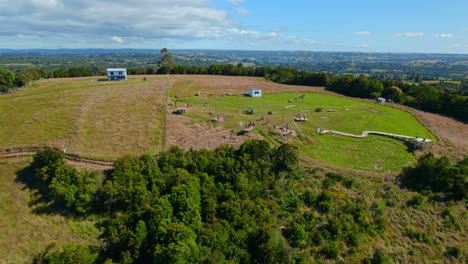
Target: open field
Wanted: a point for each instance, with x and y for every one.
(23, 231)
(374, 153)
(105, 120)
(95, 119)
(437, 82)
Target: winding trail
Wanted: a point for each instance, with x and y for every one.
(72, 159)
(366, 133)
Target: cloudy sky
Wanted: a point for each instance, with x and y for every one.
(316, 25)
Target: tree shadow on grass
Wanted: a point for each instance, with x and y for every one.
(41, 200)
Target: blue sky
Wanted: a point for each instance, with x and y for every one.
(348, 25)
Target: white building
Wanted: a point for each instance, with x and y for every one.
(255, 92)
(380, 100)
(116, 74)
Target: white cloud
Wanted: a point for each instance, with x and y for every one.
(243, 32)
(362, 33)
(154, 19)
(117, 39)
(143, 23)
(410, 34)
(47, 3)
(444, 35)
(235, 2)
(241, 11)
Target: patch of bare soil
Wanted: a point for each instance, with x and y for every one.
(186, 133)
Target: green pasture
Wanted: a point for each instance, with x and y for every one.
(374, 153)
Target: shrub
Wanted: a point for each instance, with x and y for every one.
(453, 252)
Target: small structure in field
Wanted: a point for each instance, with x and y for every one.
(247, 128)
(219, 118)
(116, 74)
(249, 111)
(254, 92)
(318, 109)
(380, 100)
(180, 110)
(300, 117)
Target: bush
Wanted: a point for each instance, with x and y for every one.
(69, 253)
(416, 200)
(438, 175)
(378, 258)
(455, 252)
(331, 250)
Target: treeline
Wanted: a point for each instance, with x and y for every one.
(10, 80)
(246, 205)
(438, 175)
(436, 99)
(428, 98)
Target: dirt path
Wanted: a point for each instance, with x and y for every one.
(366, 133)
(78, 162)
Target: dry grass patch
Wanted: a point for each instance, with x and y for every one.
(24, 234)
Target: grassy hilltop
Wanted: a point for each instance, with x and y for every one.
(106, 120)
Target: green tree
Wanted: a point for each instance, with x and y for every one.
(7, 80)
(69, 253)
(166, 61)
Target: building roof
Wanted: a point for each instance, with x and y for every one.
(116, 69)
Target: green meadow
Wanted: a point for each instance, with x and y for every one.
(374, 153)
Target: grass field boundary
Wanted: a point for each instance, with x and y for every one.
(28, 151)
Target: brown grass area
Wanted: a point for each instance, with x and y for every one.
(186, 133)
(189, 85)
(23, 233)
(119, 120)
(101, 120)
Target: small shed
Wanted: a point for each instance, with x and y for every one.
(380, 100)
(254, 92)
(116, 74)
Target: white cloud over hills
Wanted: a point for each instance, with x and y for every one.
(118, 21)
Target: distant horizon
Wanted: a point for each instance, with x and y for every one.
(219, 49)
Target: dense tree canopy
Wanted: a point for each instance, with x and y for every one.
(439, 175)
(246, 205)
